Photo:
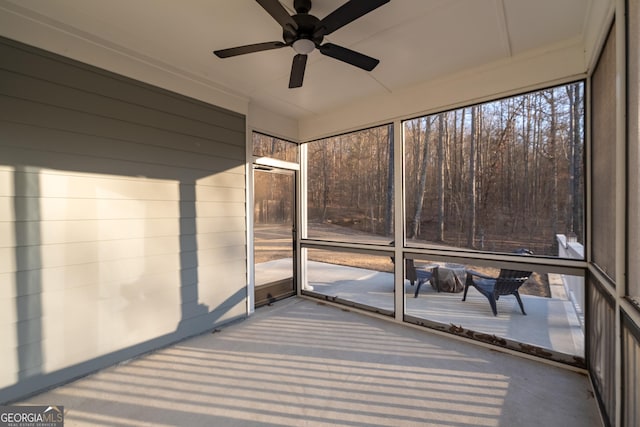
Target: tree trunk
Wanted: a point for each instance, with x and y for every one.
(388, 217)
(471, 190)
(553, 154)
(574, 220)
(422, 185)
(325, 186)
(440, 178)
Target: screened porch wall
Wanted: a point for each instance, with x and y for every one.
(630, 322)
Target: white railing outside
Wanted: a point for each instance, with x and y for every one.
(568, 247)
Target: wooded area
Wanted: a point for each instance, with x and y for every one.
(496, 176)
(275, 148)
(500, 175)
(350, 181)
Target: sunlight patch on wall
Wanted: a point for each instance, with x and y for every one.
(110, 261)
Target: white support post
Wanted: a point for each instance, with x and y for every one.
(251, 277)
(398, 219)
(621, 190)
(301, 220)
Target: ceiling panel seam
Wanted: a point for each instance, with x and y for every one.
(504, 27)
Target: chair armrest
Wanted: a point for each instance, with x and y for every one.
(478, 274)
(429, 266)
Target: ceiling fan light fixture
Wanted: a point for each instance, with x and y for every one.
(303, 46)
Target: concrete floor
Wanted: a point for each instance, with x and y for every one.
(304, 363)
(301, 362)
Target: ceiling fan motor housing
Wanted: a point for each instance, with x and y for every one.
(302, 6)
(307, 29)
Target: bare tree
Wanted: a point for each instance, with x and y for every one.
(417, 217)
(440, 177)
(471, 189)
(388, 217)
(553, 156)
(574, 219)
(506, 173)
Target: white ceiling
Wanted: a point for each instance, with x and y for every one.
(415, 40)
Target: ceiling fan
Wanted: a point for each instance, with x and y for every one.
(304, 33)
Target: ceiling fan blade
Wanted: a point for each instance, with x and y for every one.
(349, 56)
(297, 71)
(279, 13)
(250, 48)
(347, 13)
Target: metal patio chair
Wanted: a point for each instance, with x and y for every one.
(421, 275)
(507, 283)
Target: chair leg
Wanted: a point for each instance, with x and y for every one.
(466, 288)
(517, 295)
(492, 302)
(420, 282)
(435, 281)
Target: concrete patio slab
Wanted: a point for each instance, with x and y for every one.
(550, 323)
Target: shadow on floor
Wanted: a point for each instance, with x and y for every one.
(300, 362)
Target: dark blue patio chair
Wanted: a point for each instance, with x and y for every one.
(410, 272)
(507, 283)
(413, 274)
(422, 276)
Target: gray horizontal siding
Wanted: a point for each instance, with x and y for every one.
(122, 218)
(70, 102)
(132, 138)
(48, 67)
